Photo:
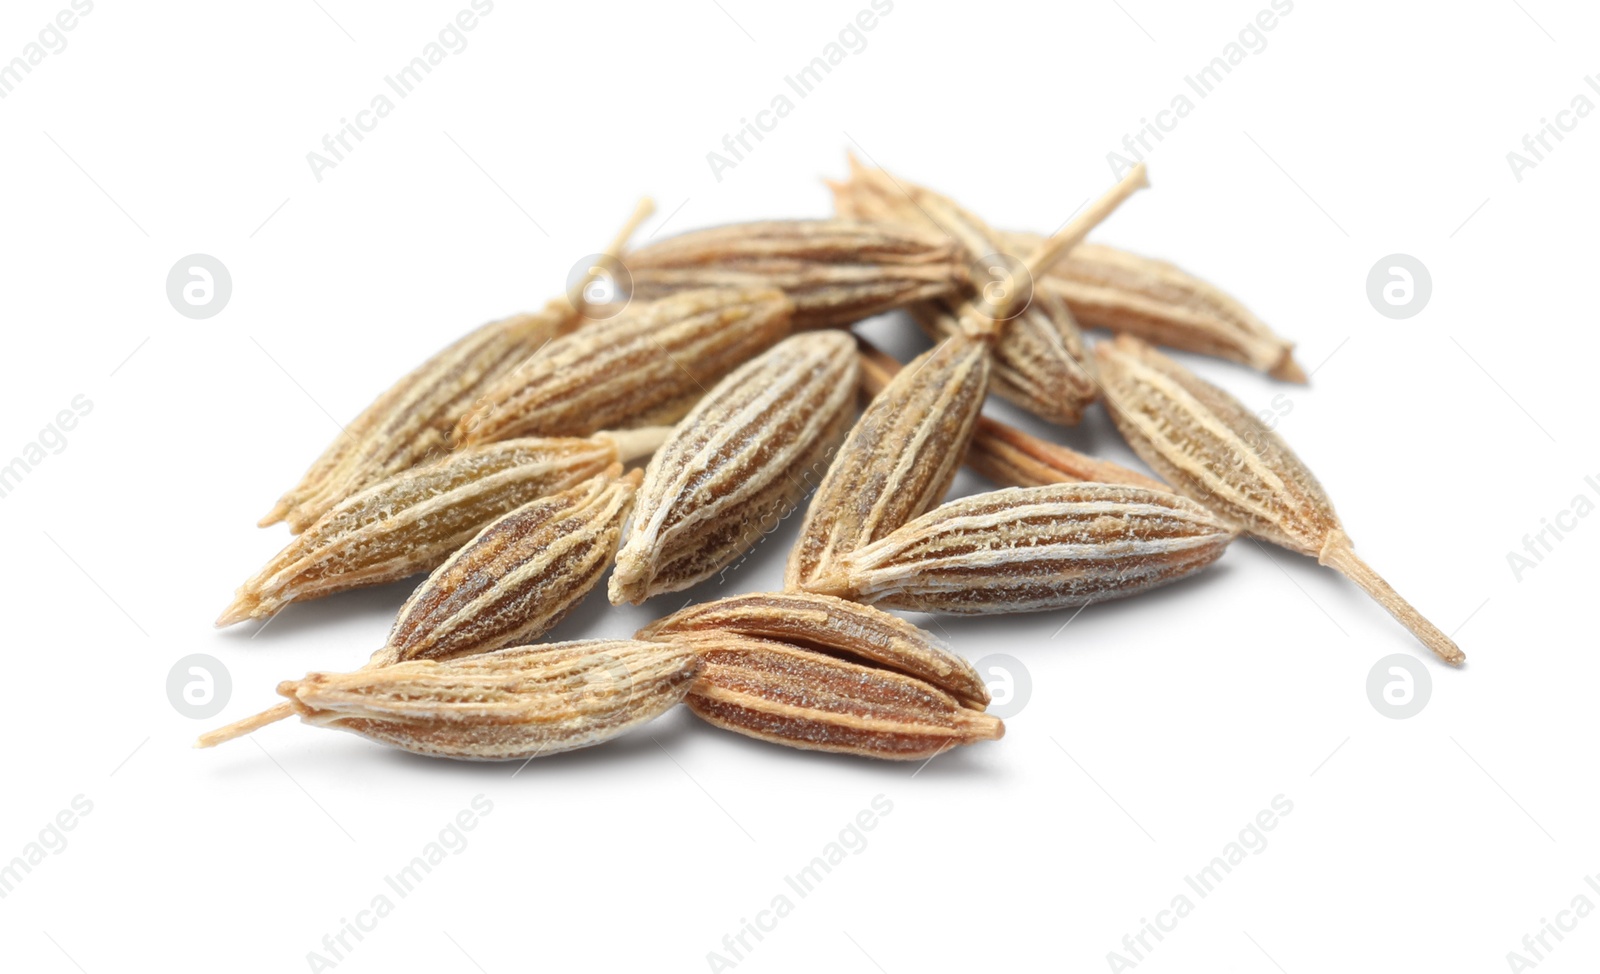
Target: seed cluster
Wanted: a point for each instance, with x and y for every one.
(500, 466)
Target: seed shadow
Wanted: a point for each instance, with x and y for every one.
(377, 602)
(956, 763)
(321, 752)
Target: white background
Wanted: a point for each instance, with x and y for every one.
(1157, 728)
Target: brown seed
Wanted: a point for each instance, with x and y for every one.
(412, 422)
(751, 449)
(836, 272)
(898, 460)
(414, 520)
(1208, 445)
(520, 576)
(1030, 549)
(511, 704)
(800, 698)
(856, 633)
(1041, 361)
(1006, 455)
(645, 367)
(1161, 303)
(514, 581)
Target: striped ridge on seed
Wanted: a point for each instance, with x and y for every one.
(747, 453)
(1031, 549)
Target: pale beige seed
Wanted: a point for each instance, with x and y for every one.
(512, 582)
(1039, 364)
(836, 272)
(1006, 455)
(511, 704)
(1211, 447)
(854, 632)
(1030, 549)
(801, 698)
(647, 366)
(899, 458)
(413, 421)
(414, 520)
(737, 464)
(1161, 303)
(1041, 361)
(518, 577)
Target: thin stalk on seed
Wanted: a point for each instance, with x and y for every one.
(1051, 251)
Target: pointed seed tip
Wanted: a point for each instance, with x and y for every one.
(238, 611)
(1288, 370)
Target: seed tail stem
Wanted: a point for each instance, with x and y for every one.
(1057, 244)
(1288, 370)
(239, 728)
(635, 444)
(642, 211)
(1338, 554)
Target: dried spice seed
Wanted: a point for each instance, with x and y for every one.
(520, 576)
(414, 520)
(1151, 299)
(854, 632)
(1006, 455)
(513, 581)
(1041, 364)
(1035, 367)
(810, 700)
(898, 460)
(1206, 444)
(1030, 549)
(1011, 458)
(518, 530)
(1041, 361)
(510, 704)
(412, 422)
(749, 451)
(836, 272)
(645, 367)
